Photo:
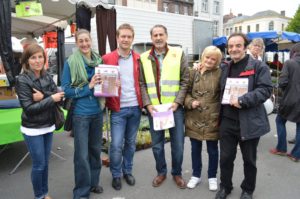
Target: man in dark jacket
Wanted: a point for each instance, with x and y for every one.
(289, 106)
(244, 118)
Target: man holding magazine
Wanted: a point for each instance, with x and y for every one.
(125, 108)
(164, 80)
(243, 117)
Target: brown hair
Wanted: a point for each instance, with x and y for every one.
(212, 50)
(125, 26)
(28, 52)
(159, 26)
(82, 31)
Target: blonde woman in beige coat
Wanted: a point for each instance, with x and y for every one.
(202, 105)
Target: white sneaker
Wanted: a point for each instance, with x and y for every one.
(213, 184)
(193, 182)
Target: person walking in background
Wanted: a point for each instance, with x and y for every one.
(38, 96)
(244, 119)
(202, 107)
(289, 105)
(256, 48)
(78, 81)
(125, 109)
(164, 79)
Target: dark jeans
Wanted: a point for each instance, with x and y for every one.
(281, 132)
(39, 148)
(177, 144)
(124, 127)
(230, 138)
(213, 157)
(87, 131)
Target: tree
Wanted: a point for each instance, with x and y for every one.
(294, 24)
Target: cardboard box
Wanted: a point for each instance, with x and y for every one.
(7, 93)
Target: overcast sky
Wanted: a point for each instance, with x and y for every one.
(250, 7)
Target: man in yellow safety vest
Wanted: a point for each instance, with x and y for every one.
(163, 80)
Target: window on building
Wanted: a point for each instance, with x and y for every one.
(257, 28)
(230, 31)
(227, 31)
(204, 6)
(248, 29)
(235, 29)
(271, 25)
(185, 10)
(282, 27)
(153, 1)
(216, 7)
(240, 28)
(215, 28)
(165, 5)
(176, 9)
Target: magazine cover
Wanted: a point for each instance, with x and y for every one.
(163, 118)
(234, 88)
(108, 88)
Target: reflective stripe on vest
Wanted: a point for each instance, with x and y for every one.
(170, 76)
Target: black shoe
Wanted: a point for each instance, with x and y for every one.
(222, 193)
(129, 179)
(97, 189)
(292, 141)
(246, 195)
(116, 183)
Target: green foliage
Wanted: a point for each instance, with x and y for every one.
(294, 24)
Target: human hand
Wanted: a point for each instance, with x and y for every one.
(196, 66)
(195, 104)
(58, 96)
(37, 95)
(96, 79)
(235, 102)
(174, 106)
(151, 109)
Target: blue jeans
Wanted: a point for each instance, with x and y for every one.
(281, 134)
(213, 157)
(87, 131)
(39, 148)
(177, 144)
(124, 127)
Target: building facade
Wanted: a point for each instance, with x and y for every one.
(260, 22)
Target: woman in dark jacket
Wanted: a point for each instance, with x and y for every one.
(289, 105)
(38, 95)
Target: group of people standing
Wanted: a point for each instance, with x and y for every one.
(158, 76)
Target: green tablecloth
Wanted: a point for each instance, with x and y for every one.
(10, 122)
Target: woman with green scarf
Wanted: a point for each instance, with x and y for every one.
(78, 81)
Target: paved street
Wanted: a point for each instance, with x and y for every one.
(278, 177)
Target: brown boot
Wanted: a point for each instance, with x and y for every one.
(158, 180)
(179, 182)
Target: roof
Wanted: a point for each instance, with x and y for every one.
(262, 14)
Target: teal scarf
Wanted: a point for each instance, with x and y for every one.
(77, 61)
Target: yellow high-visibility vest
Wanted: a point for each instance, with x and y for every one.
(170, 76)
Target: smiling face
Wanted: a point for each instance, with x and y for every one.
(210, 61)
(36, 62)
(159, 38)
(236, 48)
(84, 43)
(125, 39)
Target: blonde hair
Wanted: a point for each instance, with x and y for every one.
(212, 50)
(28, 52)
(82, 31)
(259, 42)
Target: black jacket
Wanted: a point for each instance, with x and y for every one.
(289, 82)
(252, 116)
(36, 114)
